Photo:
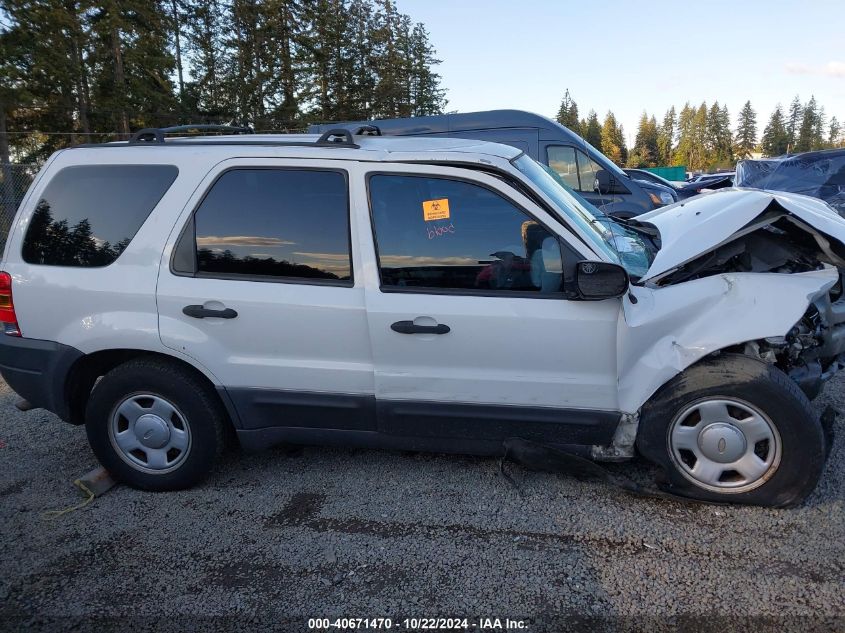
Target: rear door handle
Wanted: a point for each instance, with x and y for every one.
(201, 312)
(409, 327)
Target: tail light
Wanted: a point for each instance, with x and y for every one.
(8, 320)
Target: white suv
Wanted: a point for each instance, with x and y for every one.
(425, 294)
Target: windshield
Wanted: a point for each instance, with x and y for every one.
(604, 234)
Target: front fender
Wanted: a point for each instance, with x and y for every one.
(668, 329)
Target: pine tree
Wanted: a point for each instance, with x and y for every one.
(686, 145)
(645, 152)
(809, 131)
(700, 157)
(793, 124)
(326, 45)
(88, 66)
(427, 95)
(833, 132)
(204, 52)
(819, 135)
(133, 64)
(177, 19)
(592, 131)
(246, 74)
(45, 65)
(746, 132)
(719, 141)
(567, 114)
(666, 137)
(775, 139)
(363, 78)
(286, 21)
(387, 60)
(613, 140)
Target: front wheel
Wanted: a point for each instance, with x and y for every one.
(734, 429)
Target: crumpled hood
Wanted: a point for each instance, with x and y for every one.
(693, 227)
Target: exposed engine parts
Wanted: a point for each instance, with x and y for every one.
(812, 351)
(779, 242)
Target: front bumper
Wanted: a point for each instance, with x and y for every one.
(37, 371)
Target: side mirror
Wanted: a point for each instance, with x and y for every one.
(600, 280)
(603, 183)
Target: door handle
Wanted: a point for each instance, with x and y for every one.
(409, 327)
(200, 312)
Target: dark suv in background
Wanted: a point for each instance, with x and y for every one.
(580, 165)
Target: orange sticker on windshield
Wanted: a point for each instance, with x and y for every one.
(436, 209)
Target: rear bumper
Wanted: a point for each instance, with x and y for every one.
(37, 371)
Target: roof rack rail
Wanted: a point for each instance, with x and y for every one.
(367, 130)
(151, 137)
(156, 135)
(337, 136)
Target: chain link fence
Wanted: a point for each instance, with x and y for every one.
(14, 181)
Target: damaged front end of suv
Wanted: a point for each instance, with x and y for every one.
(784, 252)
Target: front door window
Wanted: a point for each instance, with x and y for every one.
(439, 233)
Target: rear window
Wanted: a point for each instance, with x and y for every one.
(88, 215)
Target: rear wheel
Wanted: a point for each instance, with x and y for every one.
(155, 425)
(734, 429)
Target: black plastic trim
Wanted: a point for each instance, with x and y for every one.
(316, 416)
(37, 371)
(262, 408)
(262, 439)
(496, 422)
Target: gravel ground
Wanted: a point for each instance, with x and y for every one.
(276, 538)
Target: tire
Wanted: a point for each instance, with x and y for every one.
(678, 431)
(155, 425)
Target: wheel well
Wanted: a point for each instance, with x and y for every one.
(87, 370)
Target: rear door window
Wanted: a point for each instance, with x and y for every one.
(88, 214)
(274, 225)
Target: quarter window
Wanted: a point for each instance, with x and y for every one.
(450, 234)
(88, 214)
(275, 223)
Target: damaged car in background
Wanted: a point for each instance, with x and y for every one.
(819, 174)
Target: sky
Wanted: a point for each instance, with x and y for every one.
(633, 56)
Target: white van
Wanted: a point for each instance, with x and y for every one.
(424, 294)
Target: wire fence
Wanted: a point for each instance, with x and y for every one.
(14, 181)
